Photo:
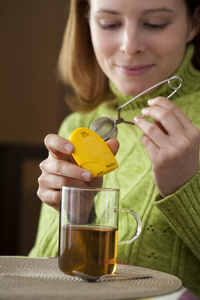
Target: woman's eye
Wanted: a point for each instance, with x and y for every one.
(156, 26)
(109, 26)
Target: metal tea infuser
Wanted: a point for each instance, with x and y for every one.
(107, 127)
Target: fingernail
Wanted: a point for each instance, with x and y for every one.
(86, 176)
(150, 101)
(136, 119)
(144, 110)
(68, 148)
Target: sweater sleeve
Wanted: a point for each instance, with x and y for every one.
(46, 244)
(182, 210)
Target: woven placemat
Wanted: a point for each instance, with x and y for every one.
(37, 278)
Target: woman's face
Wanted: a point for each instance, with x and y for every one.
(139, 43)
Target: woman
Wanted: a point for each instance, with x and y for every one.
(110, 53)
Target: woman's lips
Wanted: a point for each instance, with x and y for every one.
(135, 70)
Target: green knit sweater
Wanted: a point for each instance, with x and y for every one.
(170, 237)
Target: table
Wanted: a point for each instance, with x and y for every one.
(40, 278)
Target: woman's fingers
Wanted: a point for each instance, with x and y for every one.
(50, 185)
(50, 197)
(60, 161)
(172, 143)
(58, 145)
(152, 131)
(165, 117)
(60, 169)
(65, 168)
(55, 182)
(113, 144)
(170, 120)
(169, 107)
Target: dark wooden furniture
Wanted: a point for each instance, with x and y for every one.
(12, 158)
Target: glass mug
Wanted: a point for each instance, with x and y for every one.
(88, 231)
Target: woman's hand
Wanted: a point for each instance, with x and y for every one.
(172, 143)
(60, 169)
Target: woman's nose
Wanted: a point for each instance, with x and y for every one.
(132, 42)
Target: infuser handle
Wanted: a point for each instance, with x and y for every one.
(156, 85)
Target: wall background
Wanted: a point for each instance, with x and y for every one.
(31, 97)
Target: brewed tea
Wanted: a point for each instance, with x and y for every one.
(88, 249)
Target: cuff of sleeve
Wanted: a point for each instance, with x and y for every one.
(191, 189)
(182, 210)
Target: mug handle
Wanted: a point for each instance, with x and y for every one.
(139, 225)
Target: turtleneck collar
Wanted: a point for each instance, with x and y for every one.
(189, 74)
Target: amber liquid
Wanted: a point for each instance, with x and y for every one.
(88, 249)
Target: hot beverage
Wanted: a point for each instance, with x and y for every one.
(88, 249)
(88, 227)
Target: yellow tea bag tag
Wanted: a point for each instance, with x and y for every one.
(91, 152)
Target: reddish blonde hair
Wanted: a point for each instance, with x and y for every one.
(78, 66)
(77, 62)
(192, 5)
